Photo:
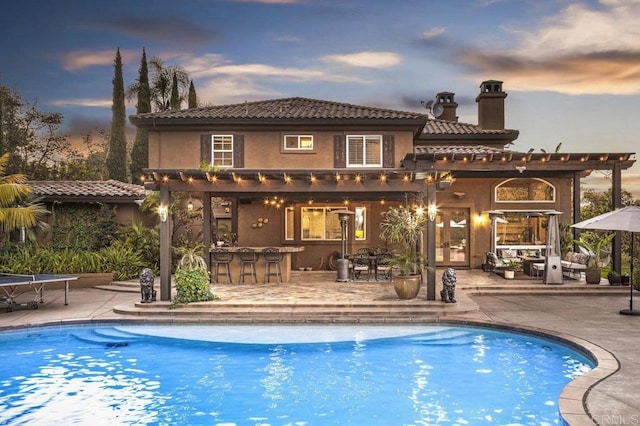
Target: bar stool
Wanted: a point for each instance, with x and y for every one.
(221, 258)
(272, 257)
(248, 258)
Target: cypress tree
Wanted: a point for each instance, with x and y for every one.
(175, 94)
(140, 149)
(117, 157)
(193, 98)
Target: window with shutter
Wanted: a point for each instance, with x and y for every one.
(364, 151)
(222, 150)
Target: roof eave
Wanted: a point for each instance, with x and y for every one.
(152, 123)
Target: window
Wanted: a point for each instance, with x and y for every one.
(521, 228)
(519, 190)
(288, 223)
(364, 151)
(222, 150)
(319, 223)
(298, 142)
(360, 222)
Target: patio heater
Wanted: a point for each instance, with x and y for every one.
(342, 264)
(552, 260)
(494, 215)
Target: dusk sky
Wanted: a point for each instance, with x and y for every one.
(571, 68)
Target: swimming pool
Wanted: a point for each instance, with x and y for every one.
(282, 375)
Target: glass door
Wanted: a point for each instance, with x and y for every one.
(452, 237)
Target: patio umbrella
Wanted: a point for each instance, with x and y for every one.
(624, 219)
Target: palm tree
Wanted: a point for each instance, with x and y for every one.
(15, 210)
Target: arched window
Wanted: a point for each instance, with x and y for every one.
(525, 190)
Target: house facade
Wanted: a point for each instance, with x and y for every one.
(272, 173)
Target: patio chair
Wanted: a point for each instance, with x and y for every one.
(248, 258)
(493, 263)
(272, 258)
(360, 264)
(382, 266)
(221, 258)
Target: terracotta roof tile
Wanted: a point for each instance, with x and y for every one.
(456, 149)
(95, 189)
(443, 127)
(286, 109)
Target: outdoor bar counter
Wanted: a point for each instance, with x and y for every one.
(285, 264)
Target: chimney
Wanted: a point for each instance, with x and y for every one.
(449, 106)
(491, 105)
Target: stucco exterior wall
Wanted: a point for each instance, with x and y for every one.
(262, 149)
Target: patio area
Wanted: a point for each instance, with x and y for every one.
(574, 310)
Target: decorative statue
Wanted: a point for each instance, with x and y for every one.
(448, 293)
(146, 286)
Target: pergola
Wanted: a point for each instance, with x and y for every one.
(423, 172)
(462, 161)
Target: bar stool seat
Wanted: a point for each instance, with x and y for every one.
(221, 258)
(272, 258)
(248, 258)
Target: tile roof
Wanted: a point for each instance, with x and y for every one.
(98, 190)
(443, 127)
(286, 109)
(457, 149)
(298, 108)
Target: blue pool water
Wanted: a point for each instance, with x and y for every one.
(281, 375)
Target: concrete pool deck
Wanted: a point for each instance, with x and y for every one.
(574, 311)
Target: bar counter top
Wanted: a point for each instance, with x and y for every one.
(282, 249)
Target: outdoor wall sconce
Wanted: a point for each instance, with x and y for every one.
(431, 212)
(480, 219)
(163, 213)
(444, 184)
(190, 205)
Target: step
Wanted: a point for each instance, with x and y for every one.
(90, 336)
(288, 313)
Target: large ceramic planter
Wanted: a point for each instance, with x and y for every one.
(509, 274)
(592, 275)
(407, 286)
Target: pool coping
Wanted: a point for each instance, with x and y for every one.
(572, 402)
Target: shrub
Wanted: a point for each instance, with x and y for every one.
(146, 241)
(123, 261)
(192, 278)
(192, 285)
(83, 227)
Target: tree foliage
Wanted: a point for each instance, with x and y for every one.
(117, 156)
(193, 97)
(33, 137)
(140, 149)
(161, 81)
(17, 210)
(175, 94)
(594, 203)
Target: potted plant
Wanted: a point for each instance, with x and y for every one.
(595, 245)
(404, 227)
(510, 271)
(614, 278)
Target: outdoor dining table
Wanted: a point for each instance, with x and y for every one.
(373, 262)
(528, 262)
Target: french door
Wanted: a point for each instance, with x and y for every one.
(452, 237)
